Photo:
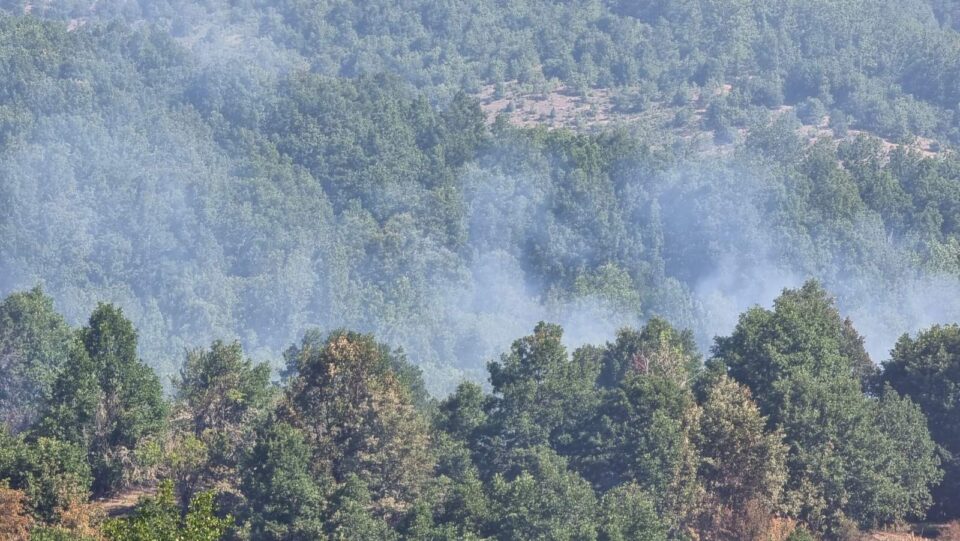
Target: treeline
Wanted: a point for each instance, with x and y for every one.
(786, 431)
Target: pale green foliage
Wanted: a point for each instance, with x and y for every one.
(34, 344)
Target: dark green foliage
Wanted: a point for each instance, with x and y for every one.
(627, 513)
(463, 413)
(455, 505)
(609, 444)
(854, 459)
(542, 500)
(927, 370)
(286, 499)
(537, 386)
(643, 433)
(105, 400)
(52, 474)
(249, 169)
(352, 514)
(803, 334)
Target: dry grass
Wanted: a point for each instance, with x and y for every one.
(122, 504)
(918, 532)
(557, 106)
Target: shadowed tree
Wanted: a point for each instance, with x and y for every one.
(927, 369)
(106, 399)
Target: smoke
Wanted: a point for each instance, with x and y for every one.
(734, 288)
(723, 236)
(147, 209)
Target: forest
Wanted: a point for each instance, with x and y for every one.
(787, 430)
(339, 269)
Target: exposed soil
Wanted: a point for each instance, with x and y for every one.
(560, 107)
(122, 504)
(918, 532)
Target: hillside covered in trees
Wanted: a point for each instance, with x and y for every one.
(402, 189)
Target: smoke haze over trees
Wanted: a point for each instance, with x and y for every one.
(215, 171)
(354, 189)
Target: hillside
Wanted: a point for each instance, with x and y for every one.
(275, 264)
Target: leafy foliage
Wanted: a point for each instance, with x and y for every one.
(159, 519)
(33, 337)
(105, 400)
(252, 170)
(927, 370)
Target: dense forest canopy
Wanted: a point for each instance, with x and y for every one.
(253, 169)
(275, 263)
(788, 431)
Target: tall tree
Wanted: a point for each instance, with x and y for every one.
(804, 365)
(219, 396)
(359, 418)
(927, 369)
(643, 432)
(106, 399)
(284, 499)
(742, 465)
(804, 333)
(34, 344)
(539, 392)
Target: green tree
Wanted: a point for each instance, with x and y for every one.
(656, 348)
(105, 399)
(542, 500)
(34, 344)
(804, 333)
(353, 515)
(742, 465)
(846, 469)
(359, 418)
(539, 392)
(284, 500)
(454, 504)
(52, 474)
(219, 396)
(627, 513)
(643, 432)
(158, 518)
(220, 389)
(927, 369)
(463, 413)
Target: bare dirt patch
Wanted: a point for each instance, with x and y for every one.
(556, 106)
(123, 504)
